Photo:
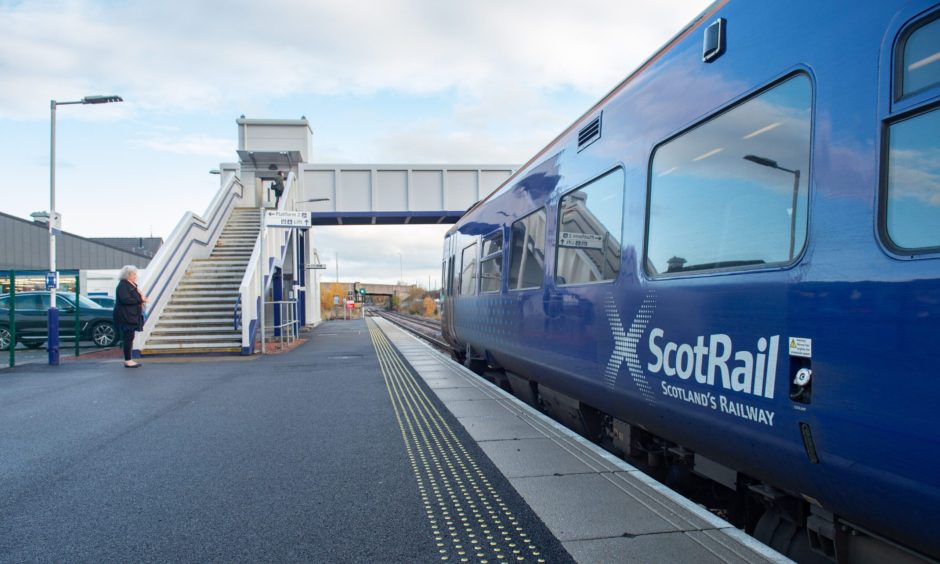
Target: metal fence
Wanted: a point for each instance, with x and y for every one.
(283, 332)
(30, 326)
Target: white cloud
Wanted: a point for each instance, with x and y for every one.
(193, 55)
(200, 145)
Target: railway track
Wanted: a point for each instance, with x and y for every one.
(427, 329)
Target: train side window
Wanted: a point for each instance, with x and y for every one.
(732, 193)
(491, 263)
(910, 211)
(527, 251)
(912, 206)
(590, 220)
(468, 269)
(920, 59)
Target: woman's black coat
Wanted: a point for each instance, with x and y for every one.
(128, 313)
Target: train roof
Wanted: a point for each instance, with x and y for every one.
(689, 28)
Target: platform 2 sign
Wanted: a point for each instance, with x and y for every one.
(580, 240)
(286, 219)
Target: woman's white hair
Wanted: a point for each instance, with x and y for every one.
(127, 271)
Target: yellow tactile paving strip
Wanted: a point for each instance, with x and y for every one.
(469, 519)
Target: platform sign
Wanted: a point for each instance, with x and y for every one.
(580, 240)
(52, 280)
(286, 219)
(55, 223)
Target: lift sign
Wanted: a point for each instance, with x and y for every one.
(286, 219)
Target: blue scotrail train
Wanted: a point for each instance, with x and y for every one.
(730, 265)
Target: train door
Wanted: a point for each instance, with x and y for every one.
(727, 219)
(585, 270)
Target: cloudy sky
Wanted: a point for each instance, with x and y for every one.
(410, 81)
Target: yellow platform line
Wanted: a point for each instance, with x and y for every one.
(469, 519)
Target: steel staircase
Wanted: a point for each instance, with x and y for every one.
(199, 316)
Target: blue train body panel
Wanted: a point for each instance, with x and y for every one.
(707, 357)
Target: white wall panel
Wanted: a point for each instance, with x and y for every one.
(427, 192)
(461, 189)
(356, 190)
(391, 191)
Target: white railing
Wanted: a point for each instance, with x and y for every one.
(194, 237)
(247, 306)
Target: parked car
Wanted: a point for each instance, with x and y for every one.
(103, 301)
(95, 322)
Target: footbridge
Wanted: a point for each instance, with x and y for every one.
(209, 281)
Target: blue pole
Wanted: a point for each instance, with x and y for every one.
(53, 332)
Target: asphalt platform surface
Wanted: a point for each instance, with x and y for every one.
(292, 457)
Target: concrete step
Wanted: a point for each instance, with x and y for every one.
(197, 293)
(197, 316)
(193, 337)
(206, 268)
(190, 286)
(227, 326)
(216, 301)
(190, 348)
(210, 330)
(215, 309)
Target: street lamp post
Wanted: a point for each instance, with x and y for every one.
(770, 163)
(54, 225)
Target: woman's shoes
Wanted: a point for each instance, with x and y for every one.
(134, 365)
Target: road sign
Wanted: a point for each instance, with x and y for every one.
(350, 304)
(52, 280)
(286, 219)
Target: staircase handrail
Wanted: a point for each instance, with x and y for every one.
(248, 300)
(160, 277)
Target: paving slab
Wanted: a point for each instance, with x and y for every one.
(527, 458)
(504, 427)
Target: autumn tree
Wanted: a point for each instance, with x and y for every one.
(429, 306)
(335, 289)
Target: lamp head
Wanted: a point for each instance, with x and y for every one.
(763, 161)
(101, 99)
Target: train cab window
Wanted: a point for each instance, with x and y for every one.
(444, 288)
(491, 263)
(920, 59)
(732, 192)
(468, 269)
(527, 251)
(590, 220)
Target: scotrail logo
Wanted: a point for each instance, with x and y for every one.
(626, 344)
(717, 363)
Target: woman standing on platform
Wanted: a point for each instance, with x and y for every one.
(129, 311)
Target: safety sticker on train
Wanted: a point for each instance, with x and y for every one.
(802, 347)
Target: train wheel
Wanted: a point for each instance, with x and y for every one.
(787, 538)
